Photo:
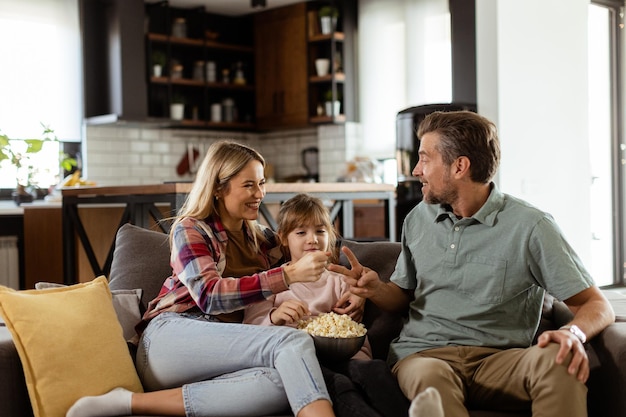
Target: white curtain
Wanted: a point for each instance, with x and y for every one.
(40, 69)
(404, 60)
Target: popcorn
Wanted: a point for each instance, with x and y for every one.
(332, 325)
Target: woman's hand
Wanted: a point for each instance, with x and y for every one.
(309, 268)
(352, 305)
(289, 312)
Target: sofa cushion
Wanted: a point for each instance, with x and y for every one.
(141, 260)
(69, 342)
(14, 401)
(125, 303)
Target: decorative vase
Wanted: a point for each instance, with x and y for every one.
(327, 24)
(322, 65)
(177, 111)
(157, 70)
(332, 108)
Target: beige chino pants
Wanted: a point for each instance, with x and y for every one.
(494, 379)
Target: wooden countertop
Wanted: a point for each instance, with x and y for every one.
(183, 188)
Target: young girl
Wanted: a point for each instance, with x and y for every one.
(304, 227)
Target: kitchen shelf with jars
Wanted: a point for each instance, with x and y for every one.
(328, 95)
(200, 67)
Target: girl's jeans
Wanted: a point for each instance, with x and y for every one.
(230, 369)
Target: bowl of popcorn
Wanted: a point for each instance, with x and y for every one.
(336, 336)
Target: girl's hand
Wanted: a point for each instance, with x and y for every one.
(289, 312)
(352, 305)
(309, 268)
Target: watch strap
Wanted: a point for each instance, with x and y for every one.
(575, 330)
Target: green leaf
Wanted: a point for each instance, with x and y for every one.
(4, 141)
(33, 145)
(68, 163)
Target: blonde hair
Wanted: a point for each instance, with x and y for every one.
(304, 210)
(224, 160)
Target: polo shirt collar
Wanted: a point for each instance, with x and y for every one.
(486, 214)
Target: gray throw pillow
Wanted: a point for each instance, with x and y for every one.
(141, 260)
(125, 303)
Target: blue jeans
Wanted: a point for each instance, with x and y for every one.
(230, 369)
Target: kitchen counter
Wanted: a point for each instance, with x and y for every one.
(144, 206)
(9, 208)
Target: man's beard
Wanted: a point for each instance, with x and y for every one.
(447, 196)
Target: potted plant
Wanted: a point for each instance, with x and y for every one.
(25, 191)
(177, 107)
(332, 104)
(328, 19)
(158, 62)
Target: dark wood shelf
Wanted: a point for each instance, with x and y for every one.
(328, 119)
(198, 83)
(338, 77)
(207, 43)
(319, 37)
(216, 125)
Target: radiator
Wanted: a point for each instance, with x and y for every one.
(9, 262)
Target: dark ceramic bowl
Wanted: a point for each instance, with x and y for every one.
(334, 349)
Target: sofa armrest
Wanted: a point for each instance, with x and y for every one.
(14, 399)
(607, 383)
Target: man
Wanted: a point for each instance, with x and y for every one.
(474, 266)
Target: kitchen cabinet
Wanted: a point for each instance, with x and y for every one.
(206, 64)
(43, 244)
(281, 67)
(288, 41)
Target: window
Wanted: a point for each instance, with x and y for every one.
(40, 80)
(605, 144)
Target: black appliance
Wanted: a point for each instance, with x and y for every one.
(409, 191)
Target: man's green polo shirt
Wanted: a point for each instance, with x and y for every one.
(480, 281)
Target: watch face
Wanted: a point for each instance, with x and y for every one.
(577, 332)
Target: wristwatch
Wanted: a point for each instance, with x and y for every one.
(575, 330)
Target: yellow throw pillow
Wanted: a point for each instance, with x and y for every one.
(70, 343)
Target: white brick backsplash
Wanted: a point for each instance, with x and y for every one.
(137, 146)
(116, 155)
(160, 147)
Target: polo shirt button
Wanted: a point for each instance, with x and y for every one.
(452, 246)
(457, 228)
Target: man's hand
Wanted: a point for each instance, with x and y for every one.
(289, 312)
(352, 305)
(363, 281)
(579, 365)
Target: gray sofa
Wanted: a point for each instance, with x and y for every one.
(141, 260)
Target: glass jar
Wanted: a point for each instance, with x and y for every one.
(198, 71)
(228, 110)
(179, 28)
(211, 72)
(177, 71)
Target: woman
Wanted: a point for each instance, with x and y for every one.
(194, 357)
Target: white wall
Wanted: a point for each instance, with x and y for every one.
(532, 82)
